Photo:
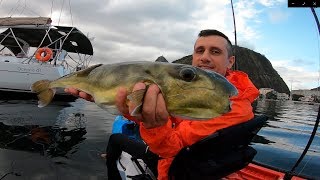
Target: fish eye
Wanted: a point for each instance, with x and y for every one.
(187, 74)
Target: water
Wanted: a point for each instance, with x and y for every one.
(65, 140)
(281, 142)
(60, 141)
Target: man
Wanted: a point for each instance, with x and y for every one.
(166, 135)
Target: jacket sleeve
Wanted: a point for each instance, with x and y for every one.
(168, 140)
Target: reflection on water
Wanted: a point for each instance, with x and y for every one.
(53, 131)
(55, 142)
(281, 142)
(65, 140)
(51, 141)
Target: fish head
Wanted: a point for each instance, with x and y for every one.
(196, 94)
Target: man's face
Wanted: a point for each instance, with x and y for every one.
(211, 53)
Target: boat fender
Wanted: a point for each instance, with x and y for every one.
(43, 54)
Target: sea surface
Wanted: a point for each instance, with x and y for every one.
(65, 139)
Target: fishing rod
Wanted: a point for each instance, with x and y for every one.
(235, 37)
(290, 173)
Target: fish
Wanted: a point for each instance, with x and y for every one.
(189, 92)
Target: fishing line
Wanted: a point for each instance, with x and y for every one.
(290, 173)
(12, 9)
(51, 8)
(70, 12)
(12, 172)
(305, 165)
(23, 8)
(60, 12)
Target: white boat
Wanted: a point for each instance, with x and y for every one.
(32, 49)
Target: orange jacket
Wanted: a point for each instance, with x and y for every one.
(168, 140)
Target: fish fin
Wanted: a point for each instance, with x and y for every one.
(137, 110)
(44, 93)
(86, 71)
(137, 96)
(39, 86)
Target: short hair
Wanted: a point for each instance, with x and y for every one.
(213, 32)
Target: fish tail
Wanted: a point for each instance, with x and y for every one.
(44, 92)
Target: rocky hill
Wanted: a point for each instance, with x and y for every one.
(256, 65)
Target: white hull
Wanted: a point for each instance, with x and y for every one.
(61, 49)
(19, 77)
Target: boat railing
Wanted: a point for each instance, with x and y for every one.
(70, 48)
(59, 54)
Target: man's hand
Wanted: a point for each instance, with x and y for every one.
(154, 111)
(80, 94)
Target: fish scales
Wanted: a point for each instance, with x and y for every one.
(189, 92)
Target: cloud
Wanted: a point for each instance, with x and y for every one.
(271, 3)
(277, 15)
(303, 62)
(247, 18)
(299, 77)
(130, 30)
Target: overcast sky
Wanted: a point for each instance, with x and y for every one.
(134, 30)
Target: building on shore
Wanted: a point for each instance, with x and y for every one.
(277, 95)
(305, 92)
(307, 95)
(282, 96)
(264, 91)
(303, 95)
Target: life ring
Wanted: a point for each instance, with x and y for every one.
(43, 54)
